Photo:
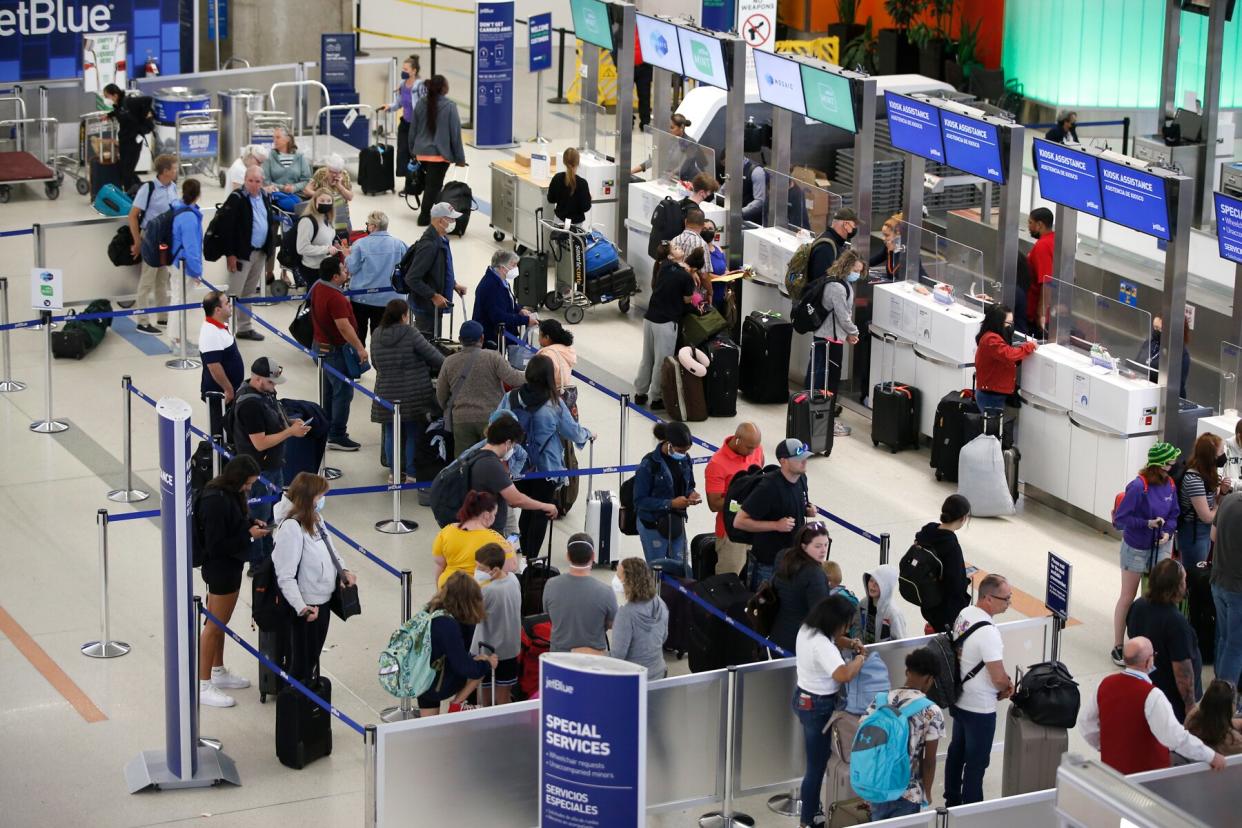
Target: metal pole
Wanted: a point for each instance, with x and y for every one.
(472, 97)
(624, 144)
(195, 641)
(128, 494)
(1058, 624)
(215, 5)
(1180, 192)
(406, 708)
(329, 472)
(864, 172)
(370, 793)
(182, 361)
(885, 543)
(1064, 259)
(1125, 135)
(215, 427)
(726, 817)
(560, 72)
(539, 105)
(7, 383)
(1010, 209)
(1168, 68)
(234, 312)
(433, 57)
(625, 419)
(396, 526)
(913, 235)
(50, 425)
(1207, 173)
(105, 647)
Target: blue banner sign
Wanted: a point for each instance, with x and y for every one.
(1135, 199)
(198, 143)
(539, 34)
(1058, 593)
(593, 742)
(493, 48)
(972, 146)
(221, 7)
(1068, 177)
(716, 15)
(914, 126)
(336, 67)
(1229, 227)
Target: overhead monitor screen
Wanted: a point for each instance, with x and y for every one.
(914, 126)
(780, 82)
(1068, 177)
(659, 43)
(972, 146)
(591, 22)
(1229, 227)
(702, 58)
(1135, 199)
(829, 98)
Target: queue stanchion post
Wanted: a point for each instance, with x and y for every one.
(787, 804)
(195, 642)
(396, 455)
(215, 427)
(329, 472)
(726, 816)
(560, 71)
(182, 361)
(625, 419)
(128, 494)
(233, 314)
(405, 710)
(885, 541)
(7, 383)
(370, 771)
(50, 425)
(105, 647)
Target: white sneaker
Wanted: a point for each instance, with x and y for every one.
(840, 430)
(222, 678)
(211, 696)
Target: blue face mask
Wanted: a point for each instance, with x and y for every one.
(677, 455)
(405, 76)
(853, 277)
(319, 504)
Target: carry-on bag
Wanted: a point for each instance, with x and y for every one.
(720, 385)
(275, 645)
(1032, 754)
(303, 728)
(764, 374)
(377, 168)
(715, 644)
(531, 286)
(1048, 695)
(698, 327)
(1201, 608)
(112, 201)
(810, 415)
(894, 407)
(460, 196)
(536, 640)
(603, 518)
(703, 557)
(601, 256)
(105, 174)
(681, 387)
(981, 477)
(534, 579)
(677, 639)
(949, 431)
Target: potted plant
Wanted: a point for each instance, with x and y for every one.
(963, 55)
(933, 41)
(846, 28)
(861, 51)
(897, 54)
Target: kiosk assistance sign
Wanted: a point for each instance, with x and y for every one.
(593, 742)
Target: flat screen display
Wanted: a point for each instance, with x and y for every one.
(914, 126)
(1135, 199)
(1068, 177)
(972, 146)
(591, 22)
(780, 82)
(659, 43)
(1229, 227)
(829, 98)
(702, 58)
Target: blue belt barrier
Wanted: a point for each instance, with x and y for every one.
(86, 317)
(732, 622)
(29, 231)
(150, 513)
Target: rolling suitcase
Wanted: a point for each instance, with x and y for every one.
(459, 194)
(764, 370)
(534, 579)
(809, 417)
(112, 201)
(677, 640)
(275, 646)
(703, 557)
(303, 728)
(949, 431)
(998, 426)
(715, 644)
(376, 168)
(1013, 458)
(1201, 609)
(837, 787)
(1032, 754)
(682, 391)
(720, 385)
(531, 286)
(603, 522)
(103, 174)
(894, 411)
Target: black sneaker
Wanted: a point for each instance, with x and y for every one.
(253, 336)
(344, 444)
(640, 399)
(1117, 657)
(163, 323)
(657, 405)
(149, 330)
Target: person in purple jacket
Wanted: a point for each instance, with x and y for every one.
(1147, 517)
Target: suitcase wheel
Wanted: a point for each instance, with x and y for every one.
(939, 475)
(262, 698)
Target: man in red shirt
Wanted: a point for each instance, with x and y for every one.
(739, 452)
(1039, 295)
(332, 316)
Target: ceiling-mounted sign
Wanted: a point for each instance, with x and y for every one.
(756, 23)
(1134, 198)
(1229, 227)
(914, 126)
(972, 145)
(1068, 177)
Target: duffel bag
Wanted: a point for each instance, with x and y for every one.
(601, 255)
(1048, 695)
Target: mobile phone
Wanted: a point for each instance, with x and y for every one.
(308, 421)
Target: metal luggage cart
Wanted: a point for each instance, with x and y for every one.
(569, 247)
(198, 141)
(18, 166)
(318, 159)
(262, 123)
(98, 137)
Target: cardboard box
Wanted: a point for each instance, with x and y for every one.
(522, 156)
(818, 199)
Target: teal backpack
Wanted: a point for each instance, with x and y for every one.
(405, 668)
(880, 756)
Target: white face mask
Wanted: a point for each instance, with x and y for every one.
(509, 453)
(482, 576)
(511, 274)
(449, 227)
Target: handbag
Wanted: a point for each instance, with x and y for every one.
(354, 367)
(302, 328)
(1048, 695)
(344, 603)
(700, 327)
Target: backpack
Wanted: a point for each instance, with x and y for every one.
(880, 755)
(229, 423)
(142, 108)
(628, 515)
(302, 328)
(739, 488)
(920, 578)
(667, 220)
(871, 680)
(1121, 495)
(449, 488)
(215, 245)
(157, 239)
(763, 607)
(403, 267)
(526, 419)
(268, 607)
(808, 311)
(120, 246)
(949, 679)
(405, 666)
(795, 271)
(198, 537)
(287, 253)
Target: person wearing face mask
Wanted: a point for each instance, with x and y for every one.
(334, 178)
(286, 170)
(996, 361)
(248, 224)
(663, 491)
(487, 469)
(404, 362)
(429, 275)
(410, 91)
(470, 385)
(557, 344)
(316, 239)
(1203, 484)
(837, 329)
(371, 262)
(1179, 664)
(335, 327)
(494, 302)
(307, 570)
(831, 243)
(800, 583)
(501, 627)
(133, 121)
(1040, 260)
(940, 538)
(1149, 353)
(569, 192)
(435, 140)
(641, 625)
(455, 545)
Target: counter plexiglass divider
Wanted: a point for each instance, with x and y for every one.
(676, 159)
(1230, 370)
(597, 132)
(1085, 321)
(941, 260)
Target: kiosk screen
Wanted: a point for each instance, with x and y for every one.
(914, 126)
(829, 98)
(780, 82)
(1135, 199)
(1068, 177)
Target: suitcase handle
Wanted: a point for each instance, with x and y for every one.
(890, 341)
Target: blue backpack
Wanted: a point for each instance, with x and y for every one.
(880, 756)
(871, 681)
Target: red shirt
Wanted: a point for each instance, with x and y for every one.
(1126, 742)
(329, 304)
(720, 470)
(1040, 259)
(996, 363)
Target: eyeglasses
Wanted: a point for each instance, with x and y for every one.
(1008, 599)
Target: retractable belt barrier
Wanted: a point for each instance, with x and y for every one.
(732, 622)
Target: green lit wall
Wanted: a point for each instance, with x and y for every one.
(1107, 53)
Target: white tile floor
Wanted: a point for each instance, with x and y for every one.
(57, 769)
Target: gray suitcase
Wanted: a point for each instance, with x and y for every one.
(842, 727)
(1032, 754)
(845, 813)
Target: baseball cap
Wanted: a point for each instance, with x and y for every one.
(471, 331)
(268, 368)
(791, 448)
(443, 209)
(845, 214)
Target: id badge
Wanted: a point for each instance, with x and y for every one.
(805, 702)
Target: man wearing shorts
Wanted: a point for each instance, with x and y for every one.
(501, 630)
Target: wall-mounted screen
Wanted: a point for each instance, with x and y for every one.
(659, 43)
(591, 23)
(702, 58)
(914, 126)
(1229, 227)
(1068, 177)
(780, 81)
(829, 98)
(1135, 199)
(972, 146)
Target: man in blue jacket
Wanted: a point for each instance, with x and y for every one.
(494, 302)
(429, 273)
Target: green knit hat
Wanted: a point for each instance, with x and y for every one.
(1162, 453)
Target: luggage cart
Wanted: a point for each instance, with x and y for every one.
(262, 123)
(569, 249)
(319, 159)
(18, 166)
(198, 141)
(97, 140)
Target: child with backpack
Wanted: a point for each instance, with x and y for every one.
(895, 773)
(455, 611)
(500, 631)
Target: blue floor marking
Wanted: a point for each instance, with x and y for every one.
(126, 328)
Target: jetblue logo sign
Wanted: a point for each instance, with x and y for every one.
(43, 17)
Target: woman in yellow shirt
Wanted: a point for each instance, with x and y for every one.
(455, 545)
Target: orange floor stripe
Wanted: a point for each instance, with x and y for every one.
(1024, 602)
(49, 669)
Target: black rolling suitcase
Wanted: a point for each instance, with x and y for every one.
(810, 415)
(677, 639)
(764, 372)
(531, 286)
(303, 728)
(275, 646)
(894, 412)
(715, 644)
(722, 376)
(459, 194)
(535, 578)
(1201, 609)
(703, 557)
(102, 174)
(949, 431)
(998, 426)
(376, 166)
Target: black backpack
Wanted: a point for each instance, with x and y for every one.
(920, 578)
(947, 687)
(268, 607)
(215, 245)
(1048, 695)
(302, 328)
(287, 254)
(667, 220)
(120, 246)
(142, 108)
(628, 515)
(198, 537)
(450, 486)
(403, 267)
(808, 311)
(739, 488)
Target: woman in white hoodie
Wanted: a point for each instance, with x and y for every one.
(881, 618)
(307, 570)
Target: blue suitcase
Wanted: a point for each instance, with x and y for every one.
(112, 201)
(602, 257)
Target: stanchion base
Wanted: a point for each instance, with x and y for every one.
(396, 527)
(332, 473)
(183, 364)
(48, 426)
(208, 742)
(785, 804)
(105, 649)
(11, 385)
(149, 769)
(396, 714)
(716, 819)
(558, 100)
(128, 495)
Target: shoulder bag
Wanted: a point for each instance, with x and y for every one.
(344, 603)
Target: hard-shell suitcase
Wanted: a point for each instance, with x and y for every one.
(837, 787)
(602, 512)
(715, 644)
(111, 200)
(460, 196)
(274, 645)
(847, 812)
(683, 393)
(376, 168)
(720, 384)
(764, 372)
(894, 411)
(103, 174)
(531, 286)
(677, 639)
(809, 417)
(1032, 754)
(703, 557)
(949, 431)
(303, 728)
(1013, 459)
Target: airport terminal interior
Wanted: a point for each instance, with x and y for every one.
(1126, 152)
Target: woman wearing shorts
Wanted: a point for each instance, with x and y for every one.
(224, 530)
(1147, 517)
